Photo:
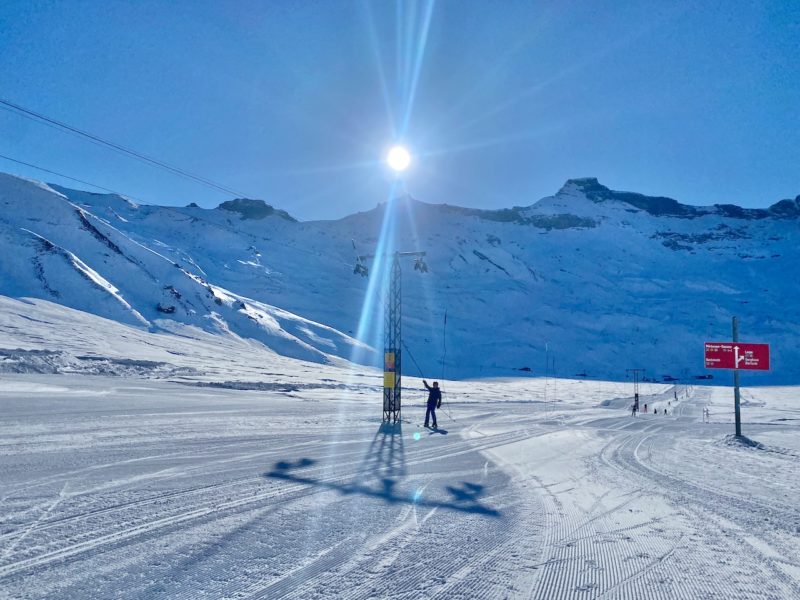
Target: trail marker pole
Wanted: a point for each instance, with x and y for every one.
(736, 396)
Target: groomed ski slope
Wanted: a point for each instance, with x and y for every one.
(122, 487)
(183, 464)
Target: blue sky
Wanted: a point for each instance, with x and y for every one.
(295, 102)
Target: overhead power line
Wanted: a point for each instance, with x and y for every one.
(30, 114)
(100, 187)
(105, 189)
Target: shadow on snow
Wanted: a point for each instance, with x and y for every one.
(385, 460)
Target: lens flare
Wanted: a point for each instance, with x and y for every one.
(398, 158)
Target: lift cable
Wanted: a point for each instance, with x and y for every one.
(105, 189)
(38, 117)
(99, 187)
(422, 376)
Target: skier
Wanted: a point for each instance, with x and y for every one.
(434, 401)
(645, 408)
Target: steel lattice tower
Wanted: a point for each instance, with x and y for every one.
(392, 340)
(392, 332)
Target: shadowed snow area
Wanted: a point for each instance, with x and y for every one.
(212, 467)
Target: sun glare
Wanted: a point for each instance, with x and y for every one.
(398, 158)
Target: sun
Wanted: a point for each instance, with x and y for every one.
(398, 158)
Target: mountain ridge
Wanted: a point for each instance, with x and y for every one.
(256, 209)
(664, 206)
(604, 284)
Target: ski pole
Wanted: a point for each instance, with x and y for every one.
(449, 416)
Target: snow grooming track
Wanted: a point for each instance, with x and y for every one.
(218, 510)
(403, 545)
(610, 533)
(97, 541)
(349, 564)
(337, 560)
(496, 440)
(159, 498)
(717, 526)
(418, 558)
(188, 493)
(590, 552)
(180, 515)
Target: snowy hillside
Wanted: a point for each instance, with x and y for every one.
(61, 251)
(607, 280)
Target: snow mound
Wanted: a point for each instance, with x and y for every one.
(733, 441)
(58, 362)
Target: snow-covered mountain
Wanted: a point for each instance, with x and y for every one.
(605, 280)
(69, 251)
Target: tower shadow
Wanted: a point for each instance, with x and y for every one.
(378, 475)
(385, 456)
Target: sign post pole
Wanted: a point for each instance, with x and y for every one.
(736, 379)
(736, 356)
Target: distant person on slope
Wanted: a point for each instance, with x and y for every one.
(434, 401)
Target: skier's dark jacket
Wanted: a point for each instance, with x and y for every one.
(434, 396)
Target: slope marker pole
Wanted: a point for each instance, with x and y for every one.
(736, 397)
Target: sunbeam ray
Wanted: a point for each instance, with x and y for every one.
(377, 55)
(421, 44)
(489, 78)
(407, 41)
(578, 66)
(496, 141)
(364, 164)
(384, 245)
(399, 35)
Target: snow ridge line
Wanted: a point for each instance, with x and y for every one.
(92, 276)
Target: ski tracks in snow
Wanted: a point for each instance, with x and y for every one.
(704, 549)
(511, 503)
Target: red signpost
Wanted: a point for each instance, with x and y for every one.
(726, 355)
(737, 356)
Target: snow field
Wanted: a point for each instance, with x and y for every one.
(137, 488)
(183, 464)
